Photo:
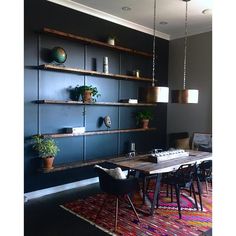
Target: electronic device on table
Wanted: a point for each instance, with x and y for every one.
(168, 155)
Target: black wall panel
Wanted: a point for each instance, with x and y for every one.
(54, 85)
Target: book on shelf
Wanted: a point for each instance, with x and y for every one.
(130, 100)
(75, 130)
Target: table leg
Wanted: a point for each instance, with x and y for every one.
(156, 193)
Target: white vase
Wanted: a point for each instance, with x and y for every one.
(111, 41)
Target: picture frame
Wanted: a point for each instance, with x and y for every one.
(202, 141)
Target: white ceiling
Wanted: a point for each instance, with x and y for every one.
(140, 17)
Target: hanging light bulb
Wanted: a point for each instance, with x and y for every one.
(185, 95)
(154, 94)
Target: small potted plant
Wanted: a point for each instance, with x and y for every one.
(47, 149)
(143, 118)
(87, 92)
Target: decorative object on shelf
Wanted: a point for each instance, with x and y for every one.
(75, 130)
(136, 73)
(107, 121)
(111, 40)
(154, 93)
(143, 118)
(94, 64)
(132, 146)
(58, 55)
(47, 149)
(130, 100)
(86, 92)
(105, 65)
(185, 95)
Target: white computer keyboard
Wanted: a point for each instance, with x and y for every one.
(168, 155)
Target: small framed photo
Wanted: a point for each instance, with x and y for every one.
(202, 142)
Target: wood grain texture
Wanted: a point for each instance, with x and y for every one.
(45, 101)
(94, 42)
(63, 135)
(93, 73)
(142, 163)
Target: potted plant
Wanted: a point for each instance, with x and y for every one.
(87, 92)
(143, 118)
(47, 149)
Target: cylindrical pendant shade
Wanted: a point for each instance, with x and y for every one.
(184, 96)
(154, 94)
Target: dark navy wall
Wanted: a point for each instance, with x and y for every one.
(54, 85)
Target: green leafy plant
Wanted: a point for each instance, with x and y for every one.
(143, 115)
(78, 91)
(46, 147)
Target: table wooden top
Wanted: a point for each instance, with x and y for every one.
(143, 164)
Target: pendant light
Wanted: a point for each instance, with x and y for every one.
(185, 95)
(154, 94)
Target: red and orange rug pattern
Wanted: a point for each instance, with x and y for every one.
(164, 222)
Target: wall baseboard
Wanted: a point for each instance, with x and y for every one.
(43, 192)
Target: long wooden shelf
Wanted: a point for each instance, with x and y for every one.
(45, 101)
(90, 72)
(93, 42)
(78, 164)
(64, 135)
(72, 165)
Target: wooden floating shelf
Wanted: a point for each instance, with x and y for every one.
(94, 103)
(64, 135)
(93, 42)
(71, 165)
(90, 72)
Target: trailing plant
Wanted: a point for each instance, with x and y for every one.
(143, 115)
(46, 147)
(78, 91)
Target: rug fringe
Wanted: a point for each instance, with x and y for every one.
(91, 222)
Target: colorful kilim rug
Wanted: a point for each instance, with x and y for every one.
(164, 222)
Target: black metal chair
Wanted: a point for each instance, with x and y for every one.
(118, 188)
(182, 178)
(205, 172)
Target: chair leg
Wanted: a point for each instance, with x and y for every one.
(171, 192)
(132, 205)
(144, 188)
(206, 186)
(199, 189)
(194, 195)
(177, 192)
(167, 190)
(117, 207)
(103, 204)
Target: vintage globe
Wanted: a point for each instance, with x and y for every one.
(59, 55)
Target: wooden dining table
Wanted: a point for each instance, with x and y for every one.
(143, 164)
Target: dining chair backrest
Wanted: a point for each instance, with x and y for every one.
(186, 172)
(114, 186)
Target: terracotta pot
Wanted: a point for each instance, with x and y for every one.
(145, 123)
(48, 162)
(87, 96)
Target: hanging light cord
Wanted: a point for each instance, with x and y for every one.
(185, 42)
(154, 46)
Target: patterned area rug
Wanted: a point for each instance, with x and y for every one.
(164, 222)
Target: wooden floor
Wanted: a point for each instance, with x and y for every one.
(44, 217)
